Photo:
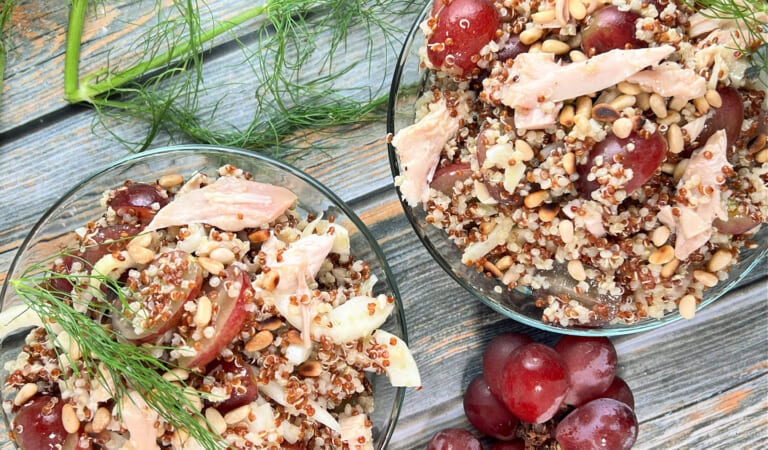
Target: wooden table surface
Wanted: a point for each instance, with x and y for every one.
(701, 383)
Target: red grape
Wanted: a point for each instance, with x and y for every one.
(487, 413)
(517, 444)
(137, 200)
(463, 28)
(729, 117)
(38, 426)
(512, 48)
(645, 157)
(737, 223)
(106, 240)
(609, 29)
(446, 177)
(619, 390)
(454, 439)
(535, 383)
(496, 356)
(235, 375)
(591, 366)
(602, 423)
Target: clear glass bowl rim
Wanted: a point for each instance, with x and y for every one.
(193, 148)
(645, 325)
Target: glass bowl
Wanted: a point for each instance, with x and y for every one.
(408, 84)
(81, 204)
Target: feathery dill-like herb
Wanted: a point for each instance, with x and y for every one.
(752, 30)
(6, 11)
(293, 89)
(106, 358)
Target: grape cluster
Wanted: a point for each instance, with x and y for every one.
(531, 395)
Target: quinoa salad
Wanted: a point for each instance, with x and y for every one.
(262, 318)
(608, 154)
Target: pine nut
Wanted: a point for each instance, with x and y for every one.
(210, 265)
(576, 270)
(170, 180)
(141, 255)
(293, 337)
(672, 117)
(566, 231)
(687, 306)
(194, 398)
(548, 212)
(762, 156)
(627, 88)
(622, 128)
(605, 113)
(25, 393)
(259, 236)
(569, 163)
(237, 414)
(567, 116)
(487, 227)
(204, 312)
(577, 9)
(101, 420)
(535, 48)
(705, 278)
(680, 168)
(270, 280)
(668, 269)
(214, 417)
(644, 101)
(713, 98)
(69, 345)
(677, 103)
(582, 123)
(658, 106)
(142, 240)
(675, 139)
(531, 35)
(662, 255)
(69, 418)
(535, 199)
(223, 255)
(491, 267)
(271, 324)
(701, 104)
(543, 16)
(668, 168)
(584, 107)
(577, 56)
(720, 260)
(504, 263)
(179, 438)
(259, 341)
(525, 149)
(555, 46)
(177, 374)
(623, 102)
(310, 369)
(757, 143)
(660, 236)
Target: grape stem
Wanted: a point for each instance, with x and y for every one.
(75, 91)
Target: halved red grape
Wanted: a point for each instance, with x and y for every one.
(447, 177)
(487, 413)
(619, 390)
(512, 48)
(236, 376)
(454, 439)
(463, 28)
(737, 223)
(609, 29)
(591, 366)
(138, 200)
(162, 289)
(728, 117)
(535, 383)
(495, 357)
(602, 423)
(38, 425)
(517, 444)
(105, 240)
(645, 156)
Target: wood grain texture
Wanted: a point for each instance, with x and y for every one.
(701, 383)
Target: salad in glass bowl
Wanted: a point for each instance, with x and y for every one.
(210, 299)
(586, 166)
